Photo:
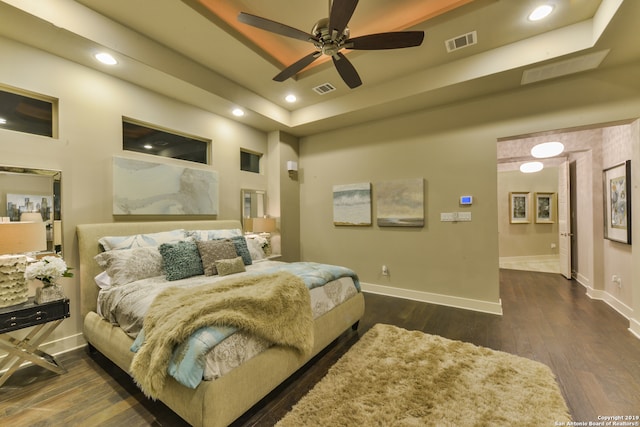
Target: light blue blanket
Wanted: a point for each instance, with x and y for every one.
(188, 360)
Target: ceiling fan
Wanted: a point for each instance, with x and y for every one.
(330, 36)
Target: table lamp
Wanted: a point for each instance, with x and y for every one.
(16, 239)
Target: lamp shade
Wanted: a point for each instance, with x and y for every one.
(21, 237)
(264, 225)
(30, 217)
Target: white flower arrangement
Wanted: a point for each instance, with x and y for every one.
(49, 269)
(262, 241)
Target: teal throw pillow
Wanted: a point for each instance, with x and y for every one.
(181, 260)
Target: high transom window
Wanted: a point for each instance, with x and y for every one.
(28, 112)
(149, 139)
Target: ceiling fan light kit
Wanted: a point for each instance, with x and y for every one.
(329, 36)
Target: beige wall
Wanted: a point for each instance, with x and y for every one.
(454, 149)
(457, 260)
(635, 201)
(529, 239)
(91, 107)
(618, 261)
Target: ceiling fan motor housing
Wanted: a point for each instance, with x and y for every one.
(324, 44)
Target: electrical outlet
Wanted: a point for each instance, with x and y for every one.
(385, 270)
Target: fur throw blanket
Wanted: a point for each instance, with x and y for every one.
(276, 307)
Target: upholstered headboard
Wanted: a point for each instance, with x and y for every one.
(88, 248)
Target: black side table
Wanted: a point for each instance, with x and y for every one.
(45, 317)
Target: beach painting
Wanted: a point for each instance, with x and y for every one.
(400, 203)
(149, 188)
(352, 204)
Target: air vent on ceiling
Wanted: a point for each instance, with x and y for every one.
(324, 88)
(461, 41)
(563, 68)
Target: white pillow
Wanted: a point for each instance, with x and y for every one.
(214, 234)
(128, 265)
(103, 280)
(110, 243)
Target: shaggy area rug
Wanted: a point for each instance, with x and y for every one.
(395, 377)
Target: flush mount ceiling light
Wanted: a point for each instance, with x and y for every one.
(540, 12)
(290, 98)
(547, 149)
(237, 112)
(106, 58)
(531, 167)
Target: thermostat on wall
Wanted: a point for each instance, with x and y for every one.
(466, 200)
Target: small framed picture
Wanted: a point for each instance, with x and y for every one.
(519, 207)
(617, 203)
(545, 208)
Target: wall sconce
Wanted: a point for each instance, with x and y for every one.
(292, 168)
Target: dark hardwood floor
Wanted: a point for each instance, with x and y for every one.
(546, 318)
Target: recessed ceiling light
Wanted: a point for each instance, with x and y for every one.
(237, 112)
(3, 121)
(148, 146)
(531, 167)
(106, 58)
(290, 98)
(547, 149)
(540, 12)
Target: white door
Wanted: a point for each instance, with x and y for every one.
(564, 220)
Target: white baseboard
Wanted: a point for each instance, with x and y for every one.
(583, 280)
(634, 327)
(446, 300)
(617, 305)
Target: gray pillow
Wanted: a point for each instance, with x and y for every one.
(213, 250)
(242, 249)
(181, 260)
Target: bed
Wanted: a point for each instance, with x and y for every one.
(221, 400)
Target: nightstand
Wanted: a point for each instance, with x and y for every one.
(45, 317)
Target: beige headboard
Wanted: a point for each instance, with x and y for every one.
(88, 248)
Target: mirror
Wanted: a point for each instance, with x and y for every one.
(254, 205)
(27, 192)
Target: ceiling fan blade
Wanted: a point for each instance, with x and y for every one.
(392, 40)
(296, 67)
(346, 70)
(341, 12)
(275, 27)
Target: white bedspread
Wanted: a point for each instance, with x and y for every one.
(126, 305)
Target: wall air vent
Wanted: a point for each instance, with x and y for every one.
(461, 41)
(563, 68)
(324, 88)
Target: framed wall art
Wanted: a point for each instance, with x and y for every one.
(352, 204)
(400, 203)
(17, 204)
(149, 188)
(545, 208)
(617, 202)
(519, 208)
